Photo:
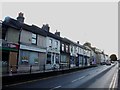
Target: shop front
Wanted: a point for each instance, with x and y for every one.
(9, 57)
(31, 57)
(53, 60)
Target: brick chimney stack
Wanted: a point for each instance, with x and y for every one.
(20, 17)
(57, 33)
(46, 27)
(78, 42)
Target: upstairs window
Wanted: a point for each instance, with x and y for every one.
(50, 42)
(48, 59)
(74, 49)
(56, 44)
(66, 48)
(62, 47)
(34, 38)
(71, 48)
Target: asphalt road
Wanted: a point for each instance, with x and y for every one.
(96, 77)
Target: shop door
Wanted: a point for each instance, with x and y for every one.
(13, 61)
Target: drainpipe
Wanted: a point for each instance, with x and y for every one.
(18, 47)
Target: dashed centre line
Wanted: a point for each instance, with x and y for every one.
(79, 79)
(55, 87)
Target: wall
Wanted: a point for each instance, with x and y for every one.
(53, 45)
(26, 37)
(42, 60)
(12, 35)
(41, 41)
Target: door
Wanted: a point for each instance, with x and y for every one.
(13, 61)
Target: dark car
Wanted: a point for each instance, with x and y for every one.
(103, 63)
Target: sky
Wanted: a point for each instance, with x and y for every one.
(94, 22)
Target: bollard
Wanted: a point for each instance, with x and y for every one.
(30, 68)
(11, 70)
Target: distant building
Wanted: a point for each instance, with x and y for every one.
(64, 53)
(53, 49)
(92, 53)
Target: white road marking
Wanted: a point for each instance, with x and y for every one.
(49, 77)
(113, 82)
(55, 87)
(78, 79)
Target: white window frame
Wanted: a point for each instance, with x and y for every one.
(56, 44)
(34, 37)
(63, 45)
(50, 43)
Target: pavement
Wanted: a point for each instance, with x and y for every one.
(103, 77)
(35, 72)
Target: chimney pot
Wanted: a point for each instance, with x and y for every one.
(77, 42)
(20, 17)
(57, 33)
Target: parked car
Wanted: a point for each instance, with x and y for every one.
(108, 62)
(103, 63)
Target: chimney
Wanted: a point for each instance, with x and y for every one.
(57, 33)
(46, 27)
(20, 17)
(77, 42)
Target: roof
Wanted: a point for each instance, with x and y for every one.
(9, 22)
(34, 29)
(71, 42)
(65, 40)
(52, 35)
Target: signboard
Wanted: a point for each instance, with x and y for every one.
(10, 45)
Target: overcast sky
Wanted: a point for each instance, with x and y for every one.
(95, 22)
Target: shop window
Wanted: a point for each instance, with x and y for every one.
(33, 59)
(48, 59)
(36, 60)
(63, 59)
(57, 59)
(53, 59)
(24, 57)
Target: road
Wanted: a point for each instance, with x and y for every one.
(97, 77)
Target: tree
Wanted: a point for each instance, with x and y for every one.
(113, 57)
